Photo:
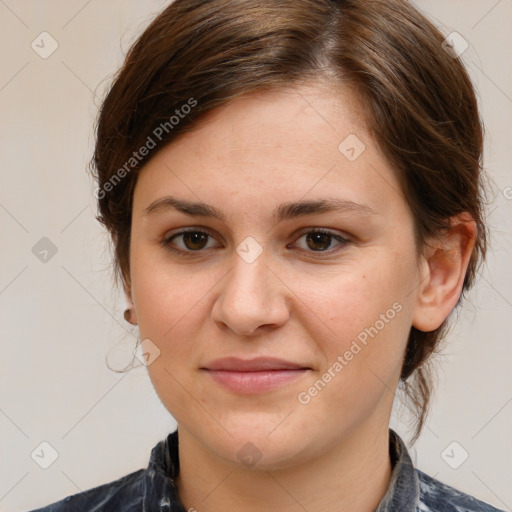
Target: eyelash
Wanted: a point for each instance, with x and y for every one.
(166, 242)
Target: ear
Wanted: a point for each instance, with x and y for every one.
(443, 269)
(132, 315)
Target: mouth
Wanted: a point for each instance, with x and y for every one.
(254, 376)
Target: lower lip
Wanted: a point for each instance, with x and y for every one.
(249, 383)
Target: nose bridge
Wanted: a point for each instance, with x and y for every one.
(249, 281)
(250, 295)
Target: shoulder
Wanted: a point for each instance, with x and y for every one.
(438, 497)
(124, 494)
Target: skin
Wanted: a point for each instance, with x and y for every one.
(294, 301)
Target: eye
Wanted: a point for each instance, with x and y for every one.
(320, 240)
(192, 240)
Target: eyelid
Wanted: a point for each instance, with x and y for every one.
(329, 231)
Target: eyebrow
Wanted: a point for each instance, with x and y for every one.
(284, 211)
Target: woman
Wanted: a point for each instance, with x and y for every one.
(293, 191)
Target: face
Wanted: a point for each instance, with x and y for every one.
(304, 253)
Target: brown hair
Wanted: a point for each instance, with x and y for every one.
(421, 108)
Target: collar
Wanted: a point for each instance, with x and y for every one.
(160, 491)
(404, 486)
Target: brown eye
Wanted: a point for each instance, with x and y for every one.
(195, 240)
(319, 240)
(191, 241)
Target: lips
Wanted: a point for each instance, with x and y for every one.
(259, 375)
(253, 365)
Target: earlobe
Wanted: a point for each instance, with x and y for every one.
(130, 315)
(443, 269)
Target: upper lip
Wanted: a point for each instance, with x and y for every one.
(252, 365)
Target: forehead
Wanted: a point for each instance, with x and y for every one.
(312, 115)
(279, 144)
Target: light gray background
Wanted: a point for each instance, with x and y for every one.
(61, 319)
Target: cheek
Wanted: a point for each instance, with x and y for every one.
(362, 315)
(173, 311)
(361, 341)
(163, 293)
(352, 299)
(167, 305)
(170, 312)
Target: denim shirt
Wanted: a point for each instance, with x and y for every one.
(153, 489)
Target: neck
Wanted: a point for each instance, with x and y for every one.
(353, 475)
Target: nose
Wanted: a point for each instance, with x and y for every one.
(252, 299)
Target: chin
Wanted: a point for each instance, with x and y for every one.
(256, 444)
